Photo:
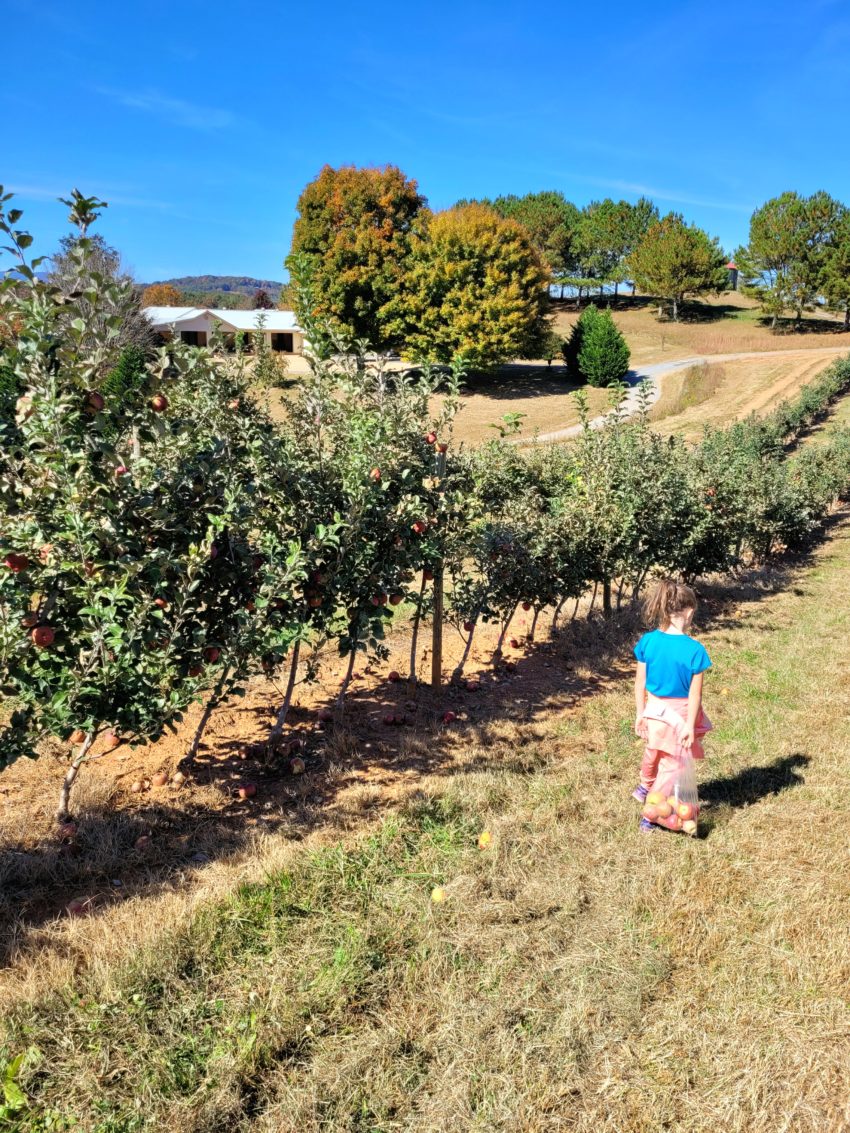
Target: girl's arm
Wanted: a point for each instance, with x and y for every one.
(694, 707)
(640, 700)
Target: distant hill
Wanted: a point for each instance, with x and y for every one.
(227, 291)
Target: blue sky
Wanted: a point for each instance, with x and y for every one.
(201, 122)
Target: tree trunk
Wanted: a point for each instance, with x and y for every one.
(557, 614)
(575, 609)
(531, 632)
(773, 322)
(847, 317)
(213, 701)
(459, 667)
(620, 590)
(274, 735)
(415, 635)
(606, 597)
(70, 777)
(675, 309)
(340, 700)
(616, 288)
(593, 597)
(497, 652)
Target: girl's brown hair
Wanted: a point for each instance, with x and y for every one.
(668, 598)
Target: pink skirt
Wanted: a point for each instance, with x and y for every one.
(666, 718)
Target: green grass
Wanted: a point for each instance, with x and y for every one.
(577, 977)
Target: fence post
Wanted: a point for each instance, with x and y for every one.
(437, 625)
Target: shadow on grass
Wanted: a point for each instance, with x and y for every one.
(747, 787)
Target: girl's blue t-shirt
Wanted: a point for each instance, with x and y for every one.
(672, 660)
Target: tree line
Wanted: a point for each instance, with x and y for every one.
(163, 539)
(475, 281)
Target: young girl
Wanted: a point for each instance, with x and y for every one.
(668, 688)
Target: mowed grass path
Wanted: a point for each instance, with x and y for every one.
(577, 977)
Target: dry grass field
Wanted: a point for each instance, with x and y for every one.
(577, 976)
(726, 324)
(279, 964)
(716, 393)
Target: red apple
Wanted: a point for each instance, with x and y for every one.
(178, 778)
(396, 599)
(233, 403)
(514, 644)
(80, 906)
(449, 717)
(430, 438)
(418, 527)
(68, 830)
(296, 765)
(121, 470)
(43, 636)
(195, 670)
(526, 606)
(77, 736)
(314, 602)
(428, 575)
(394, 676)
(16, 563)
(442, 447)
(473, 686)
(212, 653)
(247, 790)
(159, 403)
(111, 740)
(160, 603)
(136, 786)
(213, 551)
(375, 475)
(94, 402)
(159, 779)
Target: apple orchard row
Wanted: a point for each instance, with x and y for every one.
(163, 538)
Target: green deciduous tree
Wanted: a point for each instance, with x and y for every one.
(355, 227)
(675, 259)
(476, 287)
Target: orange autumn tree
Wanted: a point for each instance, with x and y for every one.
(352, 238)
(162, 295)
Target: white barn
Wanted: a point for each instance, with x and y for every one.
(194, 326)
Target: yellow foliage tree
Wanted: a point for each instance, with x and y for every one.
(475, 287)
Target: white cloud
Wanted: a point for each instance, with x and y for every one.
(177, 111)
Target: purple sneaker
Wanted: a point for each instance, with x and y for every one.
(640, 793)
(647, 827)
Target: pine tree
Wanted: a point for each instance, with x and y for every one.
(573, 344)
(604, 354)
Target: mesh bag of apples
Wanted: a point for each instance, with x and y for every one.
(673, 801)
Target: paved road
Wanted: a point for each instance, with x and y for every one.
(653, 374)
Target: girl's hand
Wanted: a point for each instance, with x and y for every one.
(686, 739)
(641, 728)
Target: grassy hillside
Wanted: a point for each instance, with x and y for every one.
(576, 976)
